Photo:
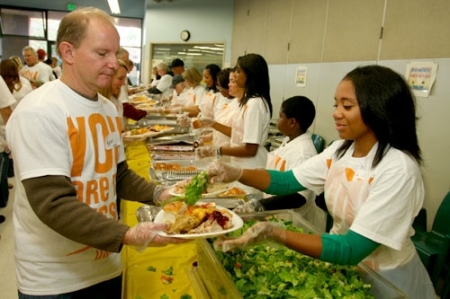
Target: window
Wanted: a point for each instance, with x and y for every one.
(23, 23)
(193, 54)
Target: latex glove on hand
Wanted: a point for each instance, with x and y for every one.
(206, 137)
(224, 172)
(253, 205)
(173, 110)
(259, 232)
(155, 110)
(161, 195)
(206, 122)
(145, 234)
(183, 120)
(205, 152)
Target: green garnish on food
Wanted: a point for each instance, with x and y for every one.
(196, 187)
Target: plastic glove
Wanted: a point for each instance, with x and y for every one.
(155, 110)
(183, 120)
(206, 122)
(173, 110)
(259, 232)
(205, 152)
(145, 234)
(161, 195)
(253, 205)
(206, 137)
(224, 172)
(147, 213)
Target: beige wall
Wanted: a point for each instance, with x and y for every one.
(331, 37)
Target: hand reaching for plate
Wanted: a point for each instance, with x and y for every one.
(259, 232)
(223, 172)
(146, 234)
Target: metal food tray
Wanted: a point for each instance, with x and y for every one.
(226, 202)
(190, 138)
(216, 281)
(161, 156)
(178, 175)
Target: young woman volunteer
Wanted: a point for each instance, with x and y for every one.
(371, 179)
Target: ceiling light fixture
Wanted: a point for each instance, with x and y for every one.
(114, 6)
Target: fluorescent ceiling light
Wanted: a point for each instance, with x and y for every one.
(114, 6)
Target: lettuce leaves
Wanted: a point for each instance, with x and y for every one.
(271, 271)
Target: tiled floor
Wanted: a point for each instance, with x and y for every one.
(8, 289)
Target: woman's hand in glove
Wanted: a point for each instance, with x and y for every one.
(205, 152)
(259, 232)
(206, 122)
(155, 110)
(253, 205)
(223, 172)
(146, 234)
(161, 195)
(183, 120)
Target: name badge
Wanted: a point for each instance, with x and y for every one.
(112, 140)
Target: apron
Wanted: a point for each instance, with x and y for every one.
(309, 211)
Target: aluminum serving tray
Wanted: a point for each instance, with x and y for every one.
(190, 138)
(215, 282)
(184, 172)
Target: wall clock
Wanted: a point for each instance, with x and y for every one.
(185, 35)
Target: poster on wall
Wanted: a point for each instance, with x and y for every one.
(420, 77)
(300, 76)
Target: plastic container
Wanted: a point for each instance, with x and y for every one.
(218, 283)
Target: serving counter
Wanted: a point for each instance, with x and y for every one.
(192, 270)
(156, 272)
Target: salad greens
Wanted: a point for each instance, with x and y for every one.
(268, 271)
(196, 187)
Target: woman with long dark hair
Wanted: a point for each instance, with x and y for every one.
(371, 179)
(250, 126)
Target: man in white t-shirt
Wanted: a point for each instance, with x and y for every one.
(34, 70)
(70, 167)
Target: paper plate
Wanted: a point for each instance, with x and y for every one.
(164, 217)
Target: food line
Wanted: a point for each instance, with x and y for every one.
(168, 158)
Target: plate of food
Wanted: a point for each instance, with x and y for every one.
(202, 220)
(141, 99)
(147, 105)
(233, 192)
(179, 189)
(159, 129)
(145, 132)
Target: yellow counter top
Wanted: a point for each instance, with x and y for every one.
(143, 271)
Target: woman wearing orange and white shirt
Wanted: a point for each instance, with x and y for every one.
(250, 126)
(196, 91)
(210, 100)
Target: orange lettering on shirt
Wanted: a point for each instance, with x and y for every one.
(329, 163)
(349, 173)
(92, 196)
(77, 138)
(98, 125)
(101, 254)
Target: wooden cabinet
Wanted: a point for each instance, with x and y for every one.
(314, 31)
(416, 29)
(308, 22)
(352, 30)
